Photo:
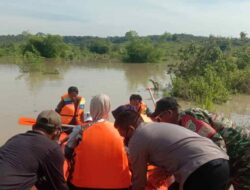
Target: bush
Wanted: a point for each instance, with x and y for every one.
(204, 90)
(142, 51)
(50, 46)
(206, 75)
(99, 46)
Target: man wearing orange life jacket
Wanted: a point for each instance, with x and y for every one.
(71, 107)
(136, 101)
(100, 160)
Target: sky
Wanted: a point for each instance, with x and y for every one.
(115, 17)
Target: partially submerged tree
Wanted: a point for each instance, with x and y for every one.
(49, 46)
(142, 51)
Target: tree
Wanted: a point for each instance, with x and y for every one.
(166, 37)
(175, 37)
(131, 35)
(100, 46)
(49, 46)
(26, 33)
(243, 35)
(40, 34)
(53, 46)
(243, 58)
(200, 76)
(142, 51)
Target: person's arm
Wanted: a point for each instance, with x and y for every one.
(74, 138)
(59, 106)
(53, 169)
(138, 163)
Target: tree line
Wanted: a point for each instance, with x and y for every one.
(203, 69)
(128, 48)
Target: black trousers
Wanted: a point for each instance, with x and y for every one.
(213, 175)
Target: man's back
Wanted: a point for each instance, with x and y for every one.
(178, 150)
(28, 157)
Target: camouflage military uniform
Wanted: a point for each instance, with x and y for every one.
(237, 141)
(197, 120)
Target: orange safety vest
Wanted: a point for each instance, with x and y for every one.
(65, 164)
(143, 108)
(142, 111)
(100, 159)
(146, 118)
(153, 181)
(68, 111)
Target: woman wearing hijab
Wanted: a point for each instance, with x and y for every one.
(100, 160)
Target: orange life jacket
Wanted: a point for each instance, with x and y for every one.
(65, 164)
(153, 181)
(100, 159)
(143, 108)
(68, 111)
(146, 118)
(142, 111)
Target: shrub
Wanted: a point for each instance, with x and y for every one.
(49, 46)
(142, 51)
(206, 75)
(99, 46)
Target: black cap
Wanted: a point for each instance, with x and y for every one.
(167, 103)
(122, 109)
(49, 118)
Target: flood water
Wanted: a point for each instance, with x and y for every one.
(26, 94)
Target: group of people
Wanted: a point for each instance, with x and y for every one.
(164, 149)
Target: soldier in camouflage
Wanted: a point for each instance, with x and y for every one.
(234, 139)
(237, 140)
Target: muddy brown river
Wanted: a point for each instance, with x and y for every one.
(27, 93)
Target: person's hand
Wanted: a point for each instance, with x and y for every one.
(75, 137)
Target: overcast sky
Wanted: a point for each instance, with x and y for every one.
(116, 17)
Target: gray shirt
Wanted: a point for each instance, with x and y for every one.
(177, 150)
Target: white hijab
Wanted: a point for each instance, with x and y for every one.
(100, 107)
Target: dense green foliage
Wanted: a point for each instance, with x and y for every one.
(206, 70)
(46, 46)
(100, 46)
(209, 73)
(156, 48)
(142, 51)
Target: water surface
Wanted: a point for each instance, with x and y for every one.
(26, 94)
